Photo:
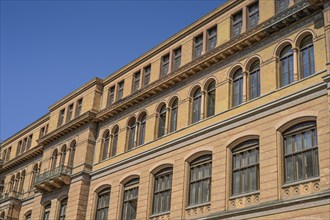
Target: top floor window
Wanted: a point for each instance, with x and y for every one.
(165, 64)
(198, 45)
(61, 117)
(146, 75)
(120, 90)
(286, 66)
(301, 159)
(211, 38)
(253, 15)
(69, 113)
(111, 96)
(176, 58)
(307, 57)
(281, 5)
(136, 81)
(79, 107)
(237, 24)
(29, 142)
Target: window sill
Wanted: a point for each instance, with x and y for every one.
(301, 182)
(198, 205)
(159, 214)
(245, 194)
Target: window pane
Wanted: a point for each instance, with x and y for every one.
(206, 190)
(245, 159)
(298, 142)
(299, 166)
(308, 139)
(253, 178)
(252, 158)
(308, 162)
(237, 161)
(316, 162)
(288, 145)
(289, 169)
(236, 183)
(245, 179)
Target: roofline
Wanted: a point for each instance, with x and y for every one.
(173, 39)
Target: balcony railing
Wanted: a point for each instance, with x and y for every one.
(54, 178)
(11, 195)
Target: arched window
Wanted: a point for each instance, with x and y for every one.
(33, 176)
(245, 168)
(18, 177)
(173, 115)
(162, 191)
(21, 183)
(307, 64)
(46, 211)
(161, 121)
(131, 132)
(210, 99)
(62, 212)
(131, 192)
(114, 141)
(54, 160)
(63, 155)
(105, 145)
(142, 128)
(237, 88)
(286, 66)
(301, 159)
(196, 106)
(28, 215)
(102, 208)
(254, 80)
(73, 146)
(200, 180)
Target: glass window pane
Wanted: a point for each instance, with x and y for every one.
(288, 145)
(308, 162)
(252, 159)
(289, 169)
(236, 183)
(237, 161)
(253, 178)
(299, 166)
(308, 139)
(245, 178)
(298, 142)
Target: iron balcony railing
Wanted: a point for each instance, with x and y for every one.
(11, 194)
(58, 171)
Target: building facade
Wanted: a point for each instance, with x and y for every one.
(229, 118)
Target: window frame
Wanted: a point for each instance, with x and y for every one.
(103, 198)
(61, 117)
(237, 22)
(176, 63)
(210, 92)
(288, 58)
(196, 107)
(309, 47)
(63, 203)
(212, 36)
(237, 80)
(161, 122)
(69, 113)
(78, 107)
(174, 107)
(146, 75)
(254, 70)
(129, 187)
(251, 13)
(120, 90)
(111, 96)
(136, 81)
(167, 173)
(165, 65)
(198, 45)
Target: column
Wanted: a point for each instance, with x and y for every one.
(295, 64)
(326, 12)
(245, 86)
(203, 105)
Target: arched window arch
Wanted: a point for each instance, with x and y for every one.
(173, 115)
(114, 141)
(245, 167)
(196, 105)
(142, 128)
(301, 160)
(47, 211)
(286, 66)
(54, 160)
(254, 80)
(73, 147)
(131, 192)
(21, 183)
(237, 87)
(131, 133)
(210, 99)
(161, 128)
(63, 155)
(307, 63)
(105, 144)
(63, 206)
(200, 180)
(162, 191)
(102, 206)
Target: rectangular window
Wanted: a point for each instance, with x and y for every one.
(253, 15)
(198, 45)
(146, 75)
(237, 23)
(24, 145)
(211, 38)
(136, 81)
(176, 58)
(111, 96)
(19, 147)
(64, 204)
(69, 113)
(29, 141)
(61, 118)
(42, 132)
(120, 92)
(47, 212)
(281, 5)
(79, 107)
(165, 64)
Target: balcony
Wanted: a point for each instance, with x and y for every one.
(53, 179)
(11, 195)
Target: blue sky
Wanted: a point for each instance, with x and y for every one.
(50, 48)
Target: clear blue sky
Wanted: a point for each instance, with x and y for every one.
(50, 48)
